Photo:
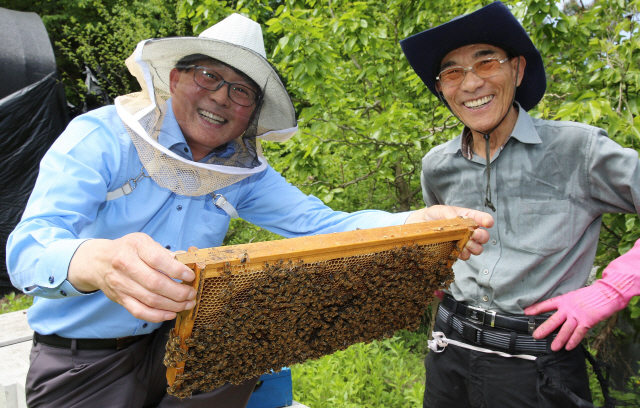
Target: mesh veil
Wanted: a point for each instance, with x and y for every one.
(143, 114)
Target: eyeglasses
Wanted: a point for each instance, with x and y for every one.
(209, 79)
(485, 68)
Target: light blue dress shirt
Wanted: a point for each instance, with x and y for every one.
(95, 155)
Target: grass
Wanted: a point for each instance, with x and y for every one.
(12, 303)
(386, 373)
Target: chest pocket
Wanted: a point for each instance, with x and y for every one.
(209, 227)
(543, 227)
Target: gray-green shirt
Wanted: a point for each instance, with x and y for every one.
(551, 183)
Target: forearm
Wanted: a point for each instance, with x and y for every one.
(623, 274)
(276, 205)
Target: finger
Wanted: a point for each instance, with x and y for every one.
(552, 323)
(150, 289)
(160, 291)
(444, 212)
(542, 307)
(473, 247)
(160, 258)
(564, 334)
(464, 255)
(141, 311)
(152, 267)
(480, 236)
(433, 213)
(481, 218)
(576, 337)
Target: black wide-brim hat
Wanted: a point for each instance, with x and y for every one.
(493, 24)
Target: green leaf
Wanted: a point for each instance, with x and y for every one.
(298, 70)
(595, 109)
(311, 67)
(327, 198)
(350, 43)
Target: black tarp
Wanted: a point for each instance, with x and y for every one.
(33, 112)
(26, 55)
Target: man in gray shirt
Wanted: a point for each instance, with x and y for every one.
(548, 183)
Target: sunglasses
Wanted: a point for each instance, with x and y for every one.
(485, 68)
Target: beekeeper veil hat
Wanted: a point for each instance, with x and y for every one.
(236, 41)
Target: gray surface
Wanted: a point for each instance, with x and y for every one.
(15, 328)
(15, 345)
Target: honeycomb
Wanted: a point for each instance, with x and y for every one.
(256, 317)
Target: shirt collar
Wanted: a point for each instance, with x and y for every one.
(524, 131)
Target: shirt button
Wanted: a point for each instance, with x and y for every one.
(63, 293)
(493, 241)
(486, 271)
(144, 326)
(168, 246)
(51, 279)
(186, 150)
(485, 298)
(179, 208)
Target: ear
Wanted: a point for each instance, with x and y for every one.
(523, 64)
(174, 76)
(438, 87)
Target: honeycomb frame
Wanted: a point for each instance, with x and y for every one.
(268, 305)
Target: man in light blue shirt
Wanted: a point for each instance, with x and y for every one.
(124, 186)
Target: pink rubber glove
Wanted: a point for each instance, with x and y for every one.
(582, 309)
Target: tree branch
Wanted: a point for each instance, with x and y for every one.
(369, 139)
(610, 231)
(348, 183)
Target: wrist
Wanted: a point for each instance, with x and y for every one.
(82, 274)
(606, 294)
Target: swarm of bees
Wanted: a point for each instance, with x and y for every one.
(252, 321)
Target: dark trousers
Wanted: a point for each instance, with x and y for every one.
(459, 377)
(129, 378)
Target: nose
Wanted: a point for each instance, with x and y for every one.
(221, 94)
(471, 81)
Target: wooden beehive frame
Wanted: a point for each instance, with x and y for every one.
(210, 262)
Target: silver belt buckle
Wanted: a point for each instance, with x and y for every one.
(479, 315)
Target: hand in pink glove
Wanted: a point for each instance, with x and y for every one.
(582, 309)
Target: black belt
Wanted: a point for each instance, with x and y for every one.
(523, 324)
(510, 341)
(54, 340)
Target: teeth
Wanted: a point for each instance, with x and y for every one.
(210, 117)
(478, 102)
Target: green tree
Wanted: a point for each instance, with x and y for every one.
(366, 119)
(100, 34)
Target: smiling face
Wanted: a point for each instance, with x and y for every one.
(208, 119)
(480, 103)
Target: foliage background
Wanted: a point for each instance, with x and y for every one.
(366, 119)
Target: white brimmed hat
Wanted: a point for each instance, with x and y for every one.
(236, 41)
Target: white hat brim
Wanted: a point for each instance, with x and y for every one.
(277, 121)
